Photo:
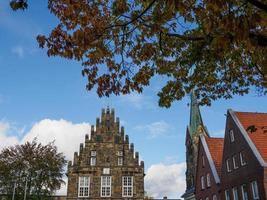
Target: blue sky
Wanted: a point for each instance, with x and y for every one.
(34, 87)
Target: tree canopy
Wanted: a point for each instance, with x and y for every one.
(41, 166)
(217, 48)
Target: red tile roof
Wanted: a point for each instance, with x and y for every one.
(256, 126)
(215, 146)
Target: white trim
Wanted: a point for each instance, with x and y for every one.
(210, 160)
(235, 161)
(127, 186)
(202, 179)
(208, 180)
(106, 186)
(227, 194)
(244, 192)
(247, 138)
(255, 190)
(235, 192)
(80, 177)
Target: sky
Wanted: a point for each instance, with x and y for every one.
(46, 98)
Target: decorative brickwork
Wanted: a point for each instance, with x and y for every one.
(106, 158)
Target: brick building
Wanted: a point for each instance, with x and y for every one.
(106, 165)
(234, 167)
(209, 168)
(244, 162)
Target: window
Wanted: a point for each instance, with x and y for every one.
(203, 161)
(228, 165)
(84, 183)
(242, 159)
(93, 158)
(93, 161)
(227, 194)
(232, 136)
(208, 180)
(235, 162)
(105, 186)
(127, 186)
(235, 193)
(93, 153)
(120, 153)
(214, 197)
(202, 182)
(255, 190)
(207, 198)
(106, 170)
(244, 192)
(120, 161)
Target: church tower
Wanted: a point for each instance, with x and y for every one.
(106, 167)
(194, 130)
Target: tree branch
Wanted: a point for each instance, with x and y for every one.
(185, 37)
(258, 4)
(134, 19)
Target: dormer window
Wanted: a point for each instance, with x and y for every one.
(232, 135)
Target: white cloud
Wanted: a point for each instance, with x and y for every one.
(18, 51)
(155, 129)
(6, 140)
(165, 180)
(67, 135)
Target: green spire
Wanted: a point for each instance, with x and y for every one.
(195, 116)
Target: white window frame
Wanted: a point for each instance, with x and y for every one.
(93, 153)
(120, 161)
(120, 153)
(202, 179)
(106, 182)
(228, 165)
(235, 193)
(227, 194)
(203, 161)
(235, 163)
(127, 186)
(214, 197)
(242, 159)
(255, 190)
(106, 171)
(232, 135)
(93, 161)
(208, 180)
(244, 192)
(83, 186)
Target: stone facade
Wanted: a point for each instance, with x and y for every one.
(109, 164)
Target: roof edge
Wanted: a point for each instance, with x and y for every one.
(210, 160)
(247, 138)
